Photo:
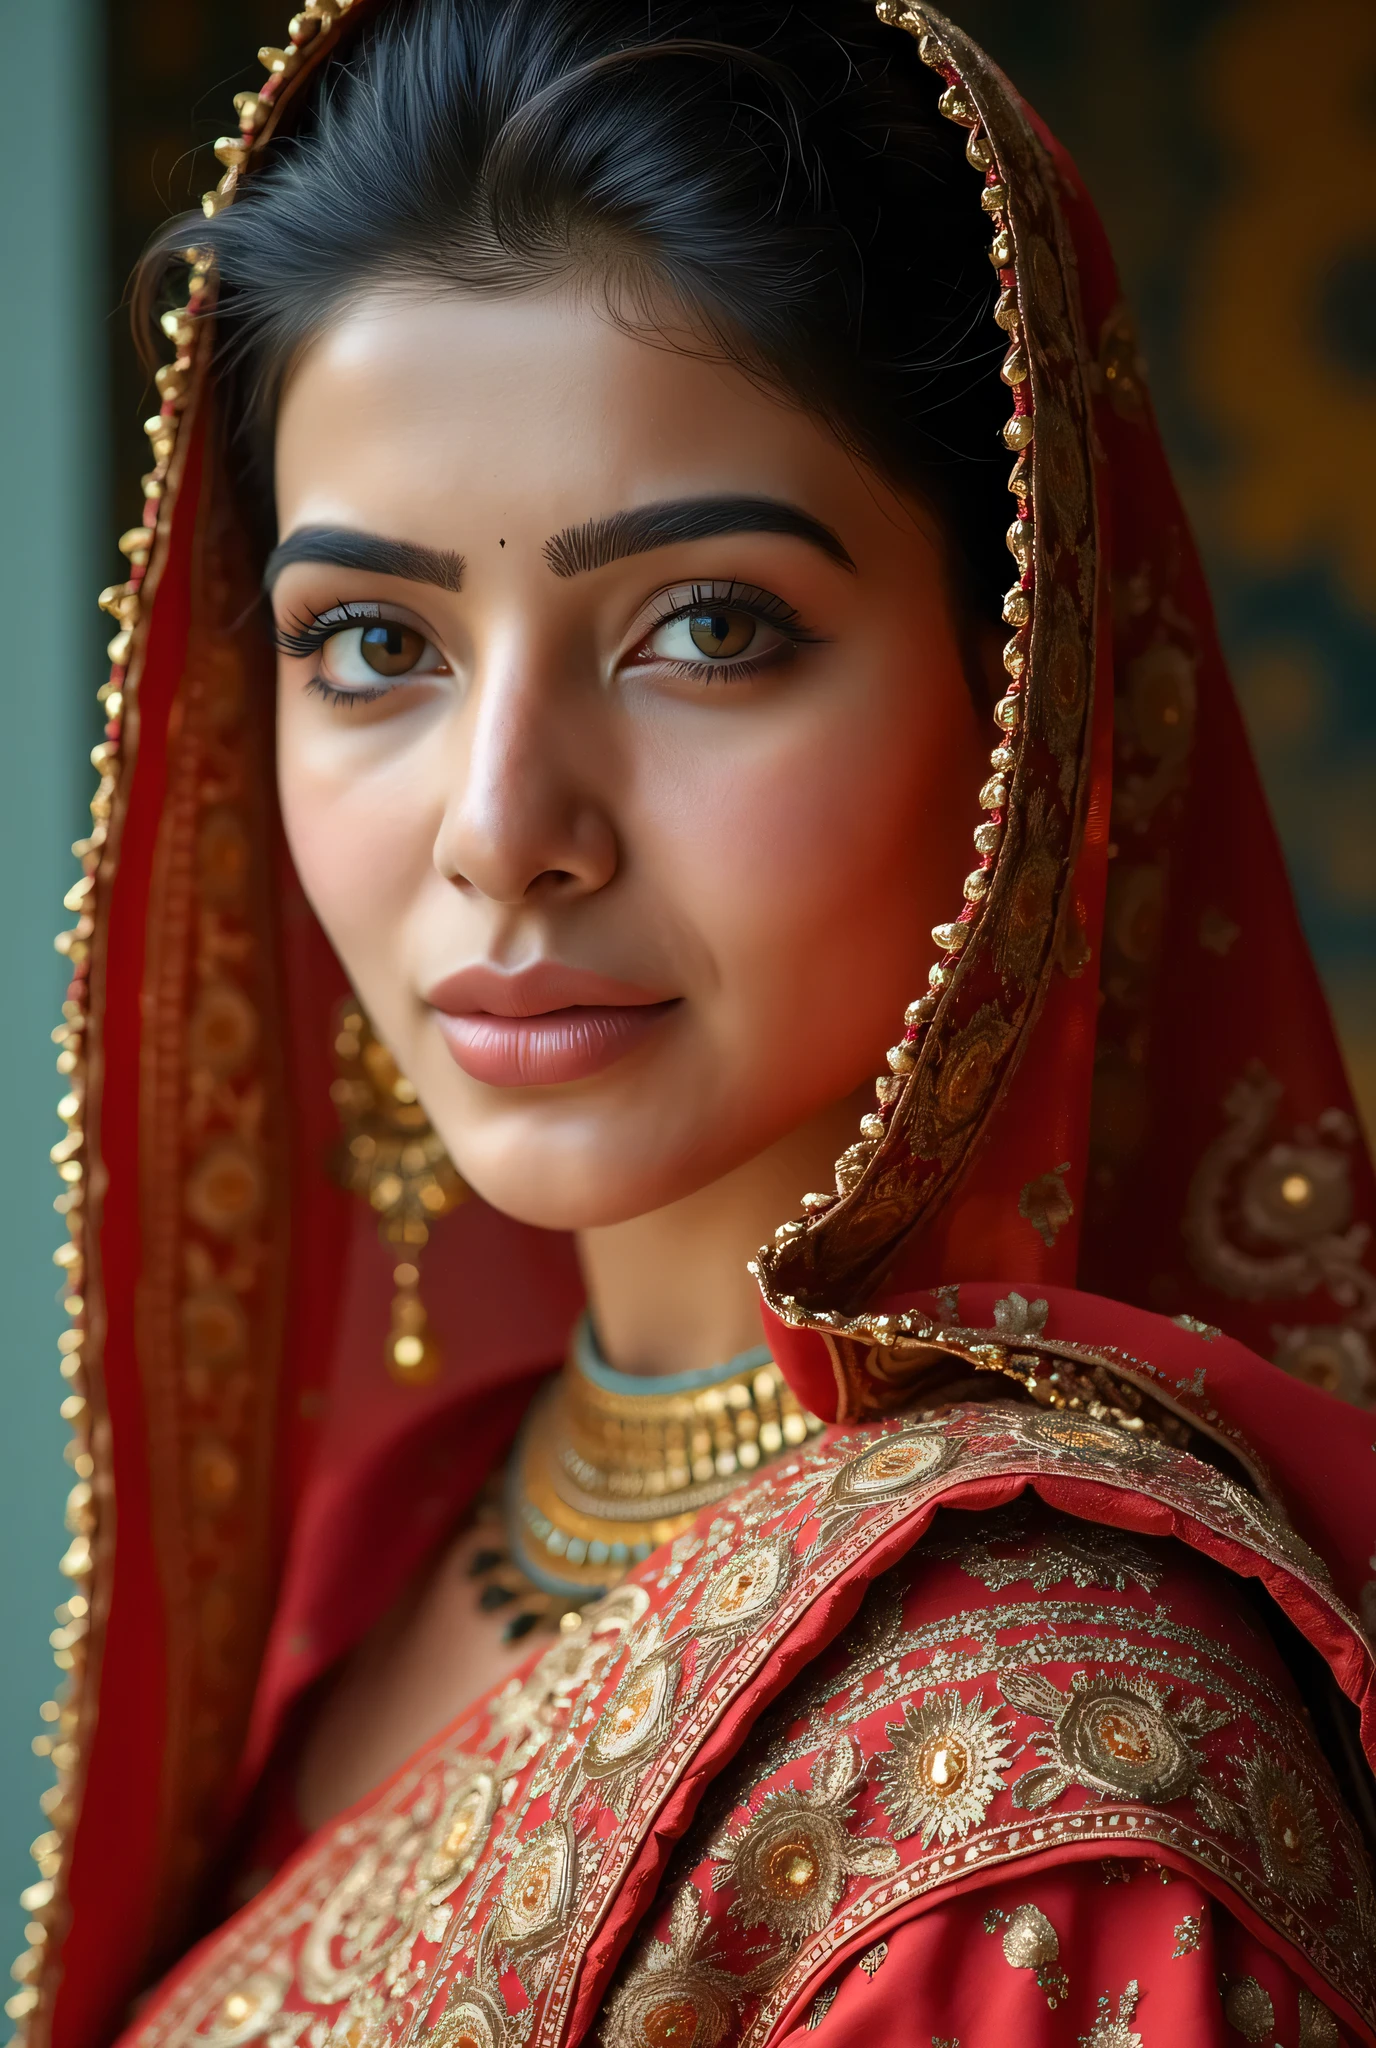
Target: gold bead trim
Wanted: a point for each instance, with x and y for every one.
(254, 108)
(66, 1719)
(951, 937)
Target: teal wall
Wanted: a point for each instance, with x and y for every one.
(52, 430)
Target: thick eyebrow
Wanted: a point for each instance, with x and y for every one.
(345, 548)
(591, 546)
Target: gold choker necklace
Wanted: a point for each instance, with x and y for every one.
(610, 1465)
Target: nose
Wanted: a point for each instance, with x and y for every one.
(524, 818)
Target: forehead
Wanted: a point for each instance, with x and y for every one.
(537, 403)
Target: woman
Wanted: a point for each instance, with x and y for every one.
(604, 403)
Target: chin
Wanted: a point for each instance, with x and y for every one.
(591, 1178)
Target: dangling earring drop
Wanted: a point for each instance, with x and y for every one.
(396, 1160)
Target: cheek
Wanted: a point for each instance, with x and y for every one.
(817, 863)
(360, 834)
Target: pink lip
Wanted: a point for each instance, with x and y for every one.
(546, 1024)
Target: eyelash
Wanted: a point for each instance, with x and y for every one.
(745, 597)
(306, 636)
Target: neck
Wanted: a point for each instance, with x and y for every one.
(668, 1291)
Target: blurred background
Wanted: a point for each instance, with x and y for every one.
(1231, 146)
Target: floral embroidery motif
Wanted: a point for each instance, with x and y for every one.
(790, 1865)
(1355, 1922)
(1060, 1429)
(1274, 1222)
(538, 1887)
(473, 2018)
(799, 1869)
(1016, 1317)
(634, 1720)
(675, 1997)
(1117, 1737)
(460, 1837)
(1188, 1936)
(396, 1889)
(898, 1462)
(1248, 2009)
(248, 2011)
(1030, 1942)
(1046, 1204)
(1085, 1553)
(1318, 2028)
(943, 1767)
(1288, 1829)
(1114, 2029)
(526, 1711)
(752, 1582)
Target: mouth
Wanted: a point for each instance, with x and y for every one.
(544, 1025)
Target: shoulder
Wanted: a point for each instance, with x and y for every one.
(1023, 1684)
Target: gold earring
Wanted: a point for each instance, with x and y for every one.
(396, 1160)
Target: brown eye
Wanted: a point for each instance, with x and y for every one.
(390, 649)
(721, 634)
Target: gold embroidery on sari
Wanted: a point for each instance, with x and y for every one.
(1318, 2028)
(1113, 2028)
(1087, 1554)
(674, 1993)
(1273, 1222)
(632, 1725)
(1117, 1736)
(1248, 2009)
(1030, 1942)
(476, 2018)
(1288, 1829)
(748, 1589)
(788, 1868)
(538, 1887)
(944, 1765)
(1189, 1934)
(398, 1886)
(1045, 1203)
(1166, 1695)
(1155, 716)
(249, 2010)
(821, 2006)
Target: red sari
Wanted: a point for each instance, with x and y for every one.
(1031, 1698)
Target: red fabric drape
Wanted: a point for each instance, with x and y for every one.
(1178, 1136)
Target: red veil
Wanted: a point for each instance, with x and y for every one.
(1124, 1089)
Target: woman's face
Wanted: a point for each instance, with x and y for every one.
(625, 749)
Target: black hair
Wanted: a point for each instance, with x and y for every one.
(778, 172)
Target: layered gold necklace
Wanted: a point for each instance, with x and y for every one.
(610, 1465)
